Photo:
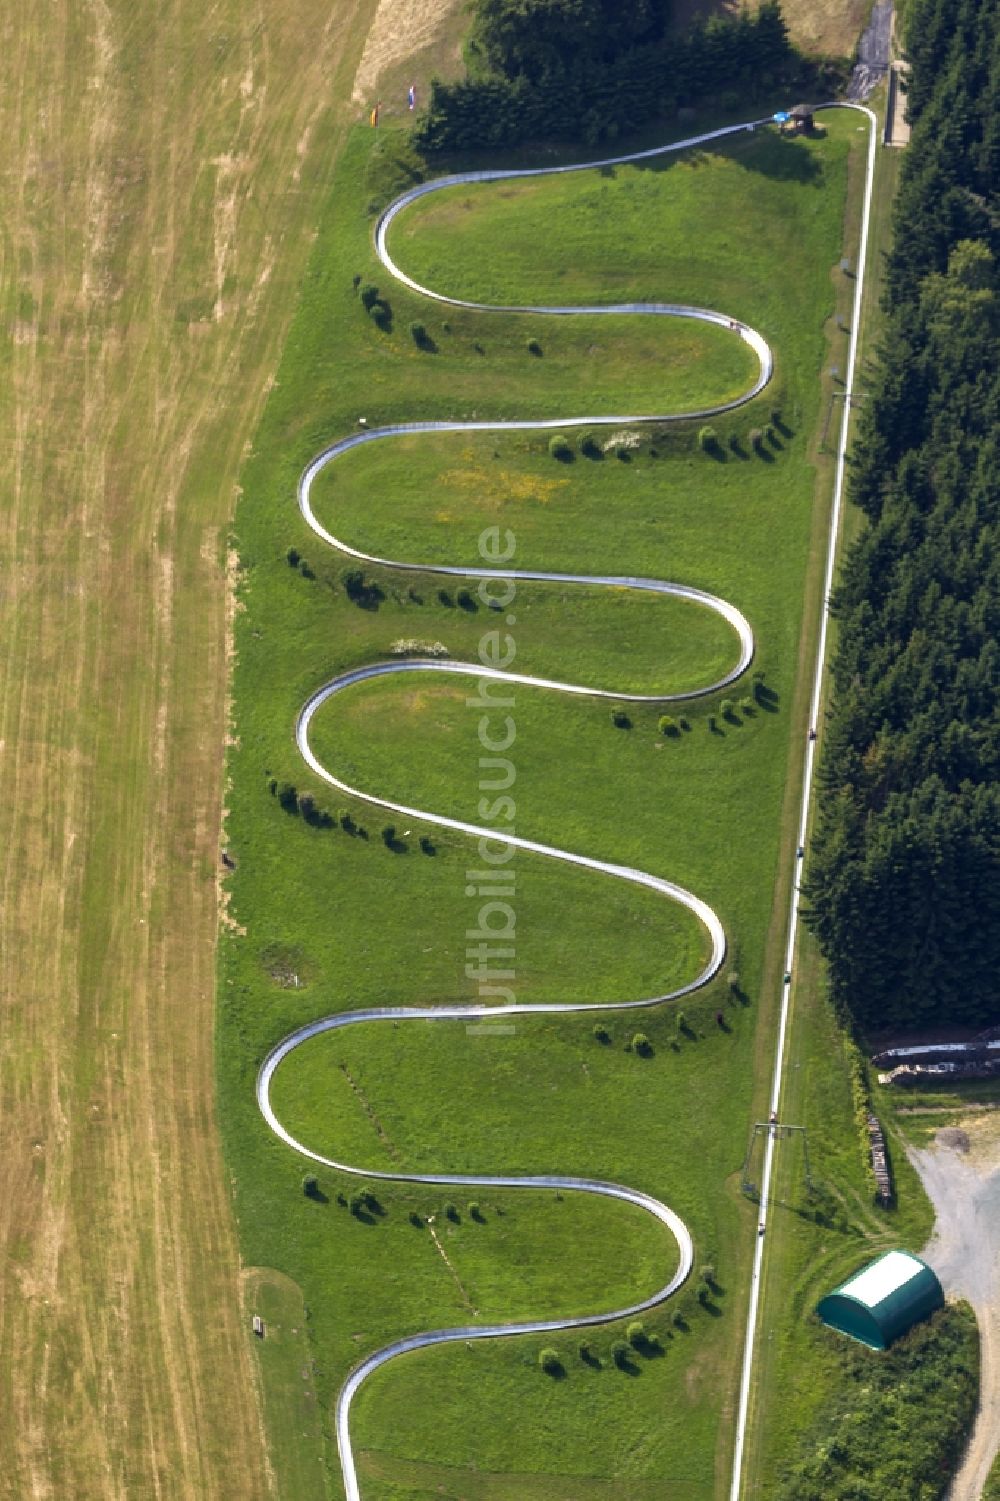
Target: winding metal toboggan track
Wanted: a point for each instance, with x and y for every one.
(701, 910)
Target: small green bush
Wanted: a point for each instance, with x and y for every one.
(620, 719)
(641, 1045)
(389, 836)
(533, 347)
(756, 437)
(619, 1353)
(451, 1213)
(369, 295)
(708, 439)
(636, 1334)
(310, 1185)
(549, 1361)
(589, 446)
(560, 448)
(292, 557)
(418, 333)
(728, 709)
(601, 1034)
(416, 1220)
(667, 725)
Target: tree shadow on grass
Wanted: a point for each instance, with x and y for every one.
(650, 1349)
(762, 150)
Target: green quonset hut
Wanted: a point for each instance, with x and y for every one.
(883, 1300)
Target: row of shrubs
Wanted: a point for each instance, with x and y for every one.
(379, 310)
(305, 806)
(366, 1202)
(672, 728)
(641, 1045)
(369, 593)
(562, 448)
(709, 440)
(638, 1339)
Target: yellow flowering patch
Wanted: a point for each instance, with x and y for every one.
(492, 488)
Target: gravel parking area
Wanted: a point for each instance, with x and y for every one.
(960, 1172)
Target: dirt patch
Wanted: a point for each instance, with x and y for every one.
(401, 29)
(961, 1175)
(953, 1138)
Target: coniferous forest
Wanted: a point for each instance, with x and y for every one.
(903, 885)
(594, 69)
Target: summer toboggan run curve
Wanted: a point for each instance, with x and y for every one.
(701, 910)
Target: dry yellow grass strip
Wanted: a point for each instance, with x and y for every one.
(162, 167)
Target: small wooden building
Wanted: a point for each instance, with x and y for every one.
(801, 119)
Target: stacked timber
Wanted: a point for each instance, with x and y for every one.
(880, 1162)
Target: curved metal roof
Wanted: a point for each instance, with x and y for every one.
(883, 1299)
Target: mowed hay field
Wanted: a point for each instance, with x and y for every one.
(161, 169)
(328, 921)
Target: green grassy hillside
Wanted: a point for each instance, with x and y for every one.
(325, 921)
